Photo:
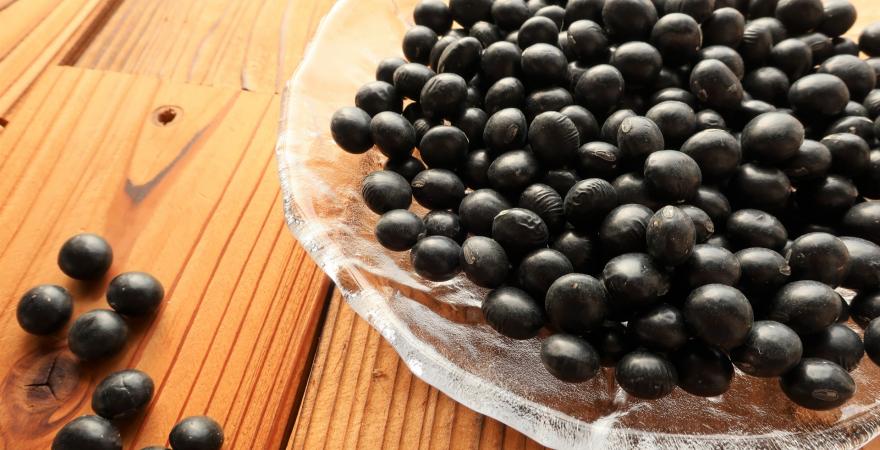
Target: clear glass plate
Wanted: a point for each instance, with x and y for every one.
(437, 328)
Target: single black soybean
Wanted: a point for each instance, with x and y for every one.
(436, 258)
(513, 313)
(646, 375)
(196, 433)
(122, 394)
(97, 334)
(539, 269)
(818, 384)
(702, 370)
(44, 309)
(569, 358)
(438, 189)
(484, 261)
(671, 236)
(770, 350)
(385, 190)
(399, 230)
(88, 432)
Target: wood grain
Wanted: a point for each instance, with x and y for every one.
(253, 45)
(195, 202)
(361, 395)
(36, 34)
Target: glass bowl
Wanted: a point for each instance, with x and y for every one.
(437, 328)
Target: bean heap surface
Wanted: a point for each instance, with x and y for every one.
(672, 188)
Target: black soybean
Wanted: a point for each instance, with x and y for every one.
(818, 384)
(122, 394)
(44, 309)
(869, 39)
(85, 256)
(97, 334)
(479, 208)
(672, 175)
(677, 37)
(576, 303)
(436, 258)
(772, 137)
(513, 313)
(393, 135)
(544, 65)
(484, 261)
(716, 85)
(872, 341)
(588, 201)
(350, 128)
(716, 152)
(433, 14)
(703, 370)
(444, 147)
(770, 350)
(438, 189)
(539, 269)
(385, 190)
(537, 30)
(554, 138)
(634, 281)
(763, 187)
(378, 96)
(196, 433)
(399, 230)
(725, 26)
(762, 269)
(812, 161)
(864, 269)
(638, 62)
(671, 236)
(627, 20)
(819, 256)
(88, 432)
(710, 264)
(858, 76)
(838, 344)
(863, 220)
(661, 328)
(755, 228)
(385, 69)
(444, 96)
(579, 248)
(624, 230)
(417, 44)
(819, 94)
(519, 231)
(506, 130)
(850, 154)
(805, 306)
(569, 358)
(135, 294)
(639, 137)
(646, 375)
(545, 202)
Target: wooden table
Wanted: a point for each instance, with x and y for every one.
(152, 122)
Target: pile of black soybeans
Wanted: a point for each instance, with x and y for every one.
(671, 187)
(99, 335)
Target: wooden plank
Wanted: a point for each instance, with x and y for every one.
(194, 201)
(252, 45)
(35, 35)
(361, 395)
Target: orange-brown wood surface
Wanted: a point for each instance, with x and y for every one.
(152, 122)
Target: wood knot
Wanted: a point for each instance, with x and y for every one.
(165, 115)
(43, 390)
